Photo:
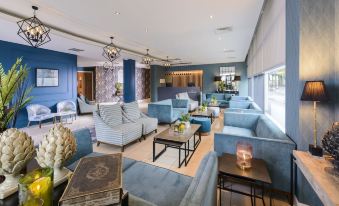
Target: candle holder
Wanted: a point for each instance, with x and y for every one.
(244, 155)
(36, 188)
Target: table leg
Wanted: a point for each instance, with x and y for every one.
(179, 156)
(153, 151)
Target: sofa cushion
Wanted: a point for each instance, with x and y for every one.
(156, 185)
(132, 110)
(183, 95)
(111, 114)
(238, 131)
(180, 111)
(267, 129)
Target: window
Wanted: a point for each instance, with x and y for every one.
(227, 75)
(275, 95)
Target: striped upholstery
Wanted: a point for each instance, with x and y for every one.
(111, 114)
(132, 110)
(148, 124)
(119, 135)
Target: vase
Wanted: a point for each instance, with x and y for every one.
(244, 155)
(187, 124)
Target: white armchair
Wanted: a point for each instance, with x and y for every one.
(113, 128)
(85, 106)
(192, 105)
(38, 113)
(66, 108)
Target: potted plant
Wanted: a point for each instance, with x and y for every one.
(185, 118)
(221, 86)
(118, 87)
(203, 107)
(14, 93)
(214, 100)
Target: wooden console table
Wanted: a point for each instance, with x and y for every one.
(325, 185)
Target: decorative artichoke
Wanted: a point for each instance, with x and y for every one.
(16, 149)
(57, 147)
(331, 141)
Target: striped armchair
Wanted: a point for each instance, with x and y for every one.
(113, 128)
(132, 113)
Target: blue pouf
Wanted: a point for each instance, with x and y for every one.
(204, 122)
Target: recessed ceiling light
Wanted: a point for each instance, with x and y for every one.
(116, 13)
(76, 50)
(146, 30)
(219, 38)
(211, 16)
(228, 50)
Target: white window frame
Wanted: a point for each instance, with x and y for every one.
(266, 95)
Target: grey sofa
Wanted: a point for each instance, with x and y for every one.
(149, 185)
(169, 110)
(86, 106)
(113, 128)
(132, 113)
(243, 107)
(268, 141)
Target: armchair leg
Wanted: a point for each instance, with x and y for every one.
(28, 123)
(98, 143)
(156, 130)
(144, 137)
(40, 124)
(122, 148)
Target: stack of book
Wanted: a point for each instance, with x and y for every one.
(96, 181)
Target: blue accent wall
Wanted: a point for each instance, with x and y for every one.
(42, 58)
(129, 80)
(210, 71)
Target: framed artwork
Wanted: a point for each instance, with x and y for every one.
(47, 77)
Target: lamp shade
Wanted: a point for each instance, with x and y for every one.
(237, 78)
(162, 81)
(217, 78)
(314, 91)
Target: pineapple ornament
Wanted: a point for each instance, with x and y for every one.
(56, 147)
(16, 150)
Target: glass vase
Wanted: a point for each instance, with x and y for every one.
(244, 155)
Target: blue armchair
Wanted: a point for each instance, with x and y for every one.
(169, 110)
(243, 107)
(268, 141)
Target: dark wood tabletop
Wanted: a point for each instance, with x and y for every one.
(170, 135)
(258, 172)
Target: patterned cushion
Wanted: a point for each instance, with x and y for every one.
(111, 114)
(132, 110)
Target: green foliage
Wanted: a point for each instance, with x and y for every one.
(221, 86)
(185, 117)
(118, 86)
(14, 93)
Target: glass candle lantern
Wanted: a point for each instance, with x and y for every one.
(36, 188)
(244, 155)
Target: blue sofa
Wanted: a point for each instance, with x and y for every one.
(169, 110)
(268, 141)
(241, 98)
(243, 107)
(149, 185)
(221, 97)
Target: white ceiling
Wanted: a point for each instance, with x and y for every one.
(176, 28)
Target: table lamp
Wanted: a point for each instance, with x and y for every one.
(314, 91)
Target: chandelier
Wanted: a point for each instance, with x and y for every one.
(167, 63)
(33, 31)
(108, 66)
(111, 52)
(147, 59)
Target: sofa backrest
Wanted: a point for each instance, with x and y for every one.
(203, 189)
(268, 129)
(183, 95)
(111, 114)
(239, 104)
(243, 120)
(180, 103)
(218, 96)
(241, 98)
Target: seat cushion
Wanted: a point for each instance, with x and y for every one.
(204, 122)
(132, 110)
(111, 114)
(238, 131)
(156, 185)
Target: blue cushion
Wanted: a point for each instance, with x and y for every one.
(238, 131)
(156, 185)
(204, 122)
(84, 144)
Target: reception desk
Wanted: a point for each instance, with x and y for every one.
(170, 92)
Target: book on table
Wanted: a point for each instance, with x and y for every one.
(96, 181)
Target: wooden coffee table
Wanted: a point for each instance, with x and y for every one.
(172, 139)
(208, 113)
(255, 177)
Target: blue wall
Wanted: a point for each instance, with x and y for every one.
(210, 71)
(129, 80)
(42, 58)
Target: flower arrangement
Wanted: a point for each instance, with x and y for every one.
(214, 100)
